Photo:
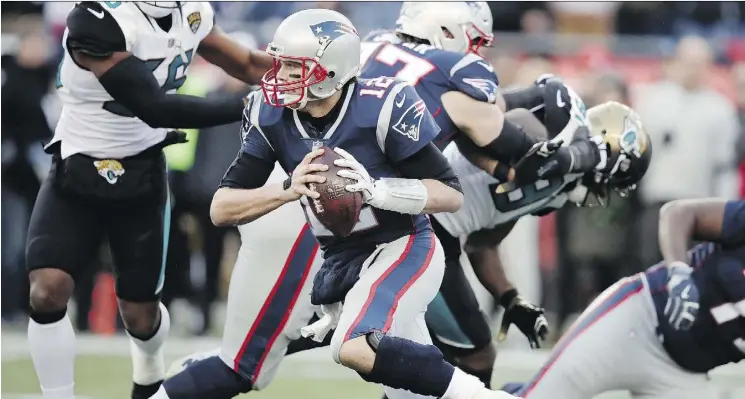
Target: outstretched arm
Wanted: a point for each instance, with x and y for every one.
(685, 220)
(239, 62)
(99, 45)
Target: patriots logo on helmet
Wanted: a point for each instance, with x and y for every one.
(408, 124)
(486, 86)
(330, 30)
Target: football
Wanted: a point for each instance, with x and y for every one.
(337, 209)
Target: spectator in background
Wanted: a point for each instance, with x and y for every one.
(644, 18)
(693, 130)
(26, 78)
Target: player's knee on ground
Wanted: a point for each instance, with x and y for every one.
(397, 363)
(206, 378)
(140, 319)
(50, 290)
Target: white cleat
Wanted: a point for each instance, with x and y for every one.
(489, 394)
(184, 362)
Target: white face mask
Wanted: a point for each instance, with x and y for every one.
(157, 9)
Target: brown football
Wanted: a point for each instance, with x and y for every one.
(337, 209)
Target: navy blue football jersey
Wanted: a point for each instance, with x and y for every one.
(382, 121)
(717, 337)
(433, 72)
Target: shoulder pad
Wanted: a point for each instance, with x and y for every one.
(475, 77)
(260, 114)
(381, 36)
(94, 31)
(200, 16)
(372, 95)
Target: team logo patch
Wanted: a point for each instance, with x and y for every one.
(630, 141)
(109, 169)
(486, 86)
(330, 30)
(195, 21)
(408, 124)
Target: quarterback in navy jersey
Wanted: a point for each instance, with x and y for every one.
(660, 332)
(391, 265)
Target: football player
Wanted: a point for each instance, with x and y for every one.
(661, 331)
(391, 265)
(122, 63)
(435, 47)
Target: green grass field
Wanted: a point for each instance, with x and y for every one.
(109, 377)
(103, 371)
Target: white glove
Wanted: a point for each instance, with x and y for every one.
(357, 172)
(682, 304)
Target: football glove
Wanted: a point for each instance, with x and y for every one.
(682, 304)
(528, 318)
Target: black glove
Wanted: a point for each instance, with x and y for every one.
(546, 159)
(526, 316)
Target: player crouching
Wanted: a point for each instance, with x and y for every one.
(391, 265)
(658, 333)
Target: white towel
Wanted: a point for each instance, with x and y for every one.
(318, 330)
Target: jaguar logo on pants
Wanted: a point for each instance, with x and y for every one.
(109, 169)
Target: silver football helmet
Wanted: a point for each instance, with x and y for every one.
(326, 46)
(157, 9)
(454, 26)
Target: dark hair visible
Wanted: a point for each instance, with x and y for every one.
(411, 39)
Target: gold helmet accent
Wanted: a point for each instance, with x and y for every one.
(630, 149)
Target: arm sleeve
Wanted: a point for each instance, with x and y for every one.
(733, 224)
(407, 124)
(247, 172)
(93, 31)
(255, 161)
(476, 78)
(429, 163)
(133, 85)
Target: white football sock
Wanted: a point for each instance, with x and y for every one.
(463, 386)
(147, 356)
(53, 353)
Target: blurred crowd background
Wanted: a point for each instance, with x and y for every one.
(681, 65)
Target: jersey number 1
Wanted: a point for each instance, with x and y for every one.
(175, 79)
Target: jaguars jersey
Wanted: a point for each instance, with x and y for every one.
(433, 72)
(484, 209)
(717, 336)
(91, 121)
(381, 122)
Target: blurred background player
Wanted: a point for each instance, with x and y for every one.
(122, 62)
(678, 320)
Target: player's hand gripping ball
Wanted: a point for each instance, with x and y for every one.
(336, 208)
